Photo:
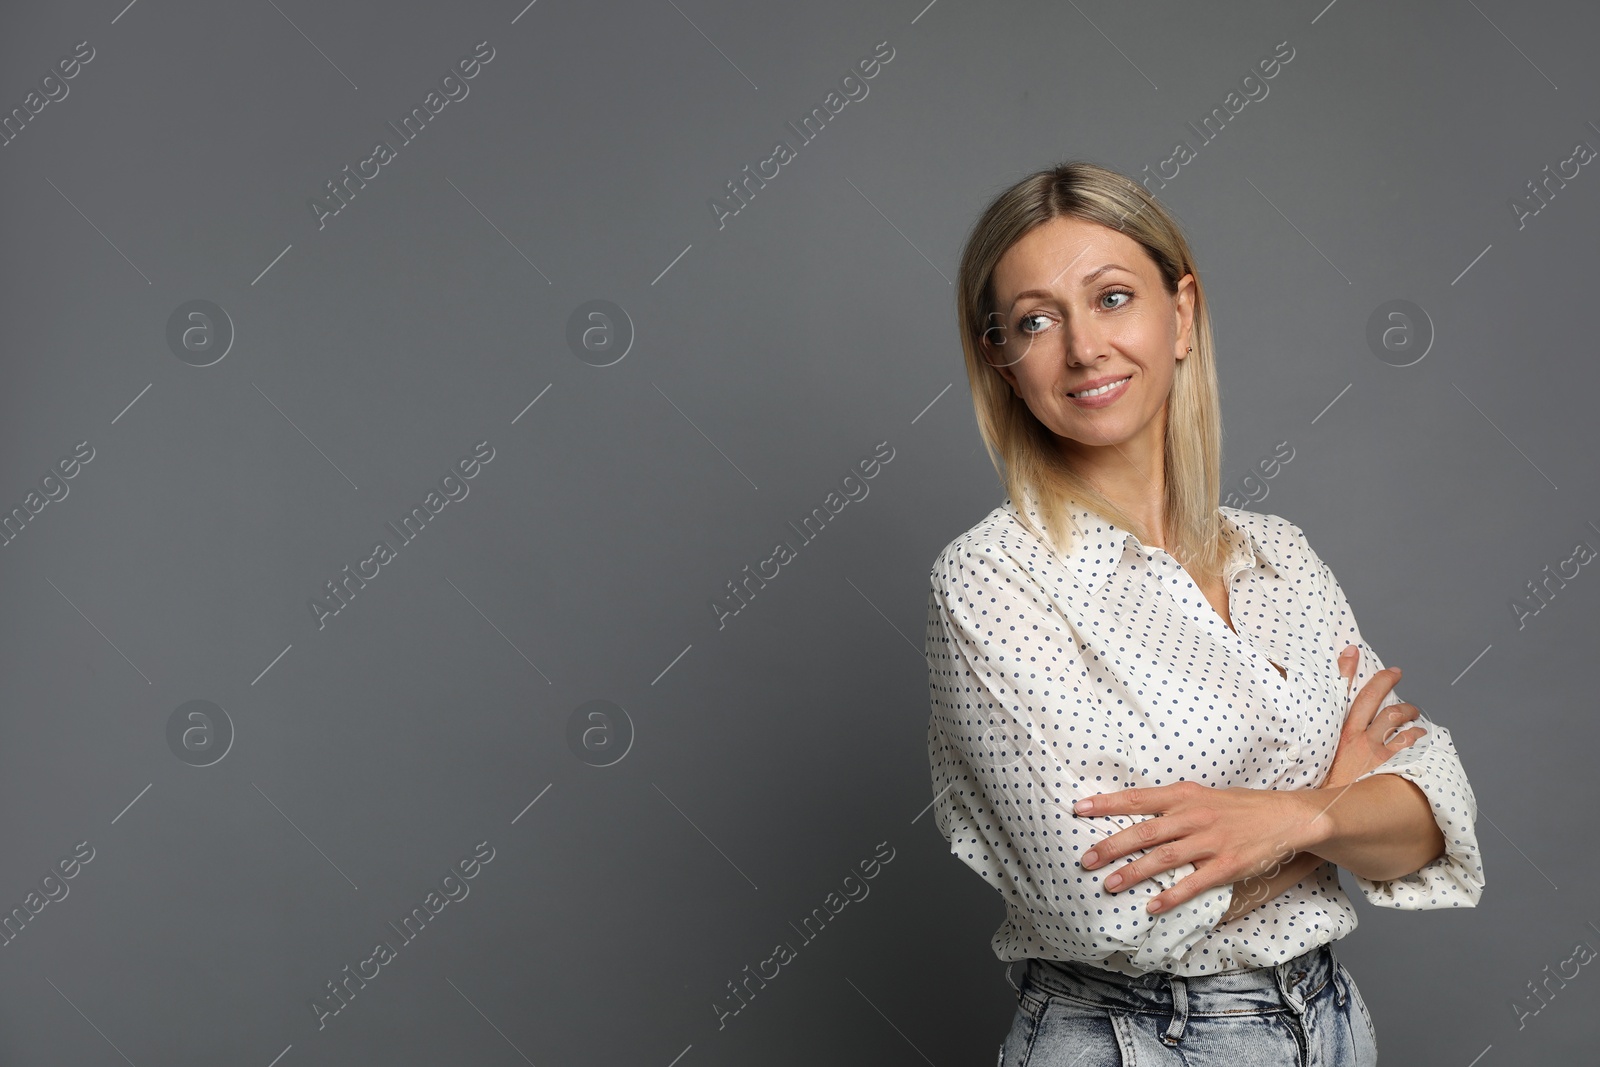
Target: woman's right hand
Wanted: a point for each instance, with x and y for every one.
(1361, 742)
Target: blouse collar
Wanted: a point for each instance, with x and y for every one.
(1101, 543)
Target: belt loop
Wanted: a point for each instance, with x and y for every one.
(1180, 1009)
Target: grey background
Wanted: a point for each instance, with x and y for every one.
(773, 755)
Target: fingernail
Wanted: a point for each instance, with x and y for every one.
(1091, 858)
(1114, 881)
(1155, 906)
(1081, 806)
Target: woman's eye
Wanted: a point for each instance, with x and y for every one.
(1025, 330)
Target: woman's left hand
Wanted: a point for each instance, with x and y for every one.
(1229, 834)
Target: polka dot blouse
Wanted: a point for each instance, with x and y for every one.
(1055, 677)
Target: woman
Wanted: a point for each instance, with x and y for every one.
(1110, 633)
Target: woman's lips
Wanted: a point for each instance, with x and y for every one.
(1101, 400)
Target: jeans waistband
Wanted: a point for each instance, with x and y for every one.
(1290, 983)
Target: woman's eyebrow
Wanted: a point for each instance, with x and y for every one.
(1085, 280)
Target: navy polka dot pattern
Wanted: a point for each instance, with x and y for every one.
(1055, 676)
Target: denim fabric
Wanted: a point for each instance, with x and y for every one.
(1305, 1012)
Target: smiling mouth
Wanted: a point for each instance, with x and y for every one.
(1104, 389)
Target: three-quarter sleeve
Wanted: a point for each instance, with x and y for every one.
(1455, 879)
(1021, 727)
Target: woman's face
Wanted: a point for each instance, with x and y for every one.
(1077, 303)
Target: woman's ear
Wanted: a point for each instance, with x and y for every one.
(995, 357)
(992, 348)
(993, 338)
(1184, 301)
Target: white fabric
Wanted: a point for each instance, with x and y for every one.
(1058, 676)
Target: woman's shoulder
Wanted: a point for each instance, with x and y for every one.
(1263, 522)
(1283, 542)
(998, 532)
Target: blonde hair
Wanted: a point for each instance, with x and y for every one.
(1023, 450)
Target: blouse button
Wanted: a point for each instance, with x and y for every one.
(1294, 752)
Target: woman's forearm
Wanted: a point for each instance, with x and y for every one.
(1250, 893)
(1378, 828)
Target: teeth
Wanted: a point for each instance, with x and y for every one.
(1102, 390)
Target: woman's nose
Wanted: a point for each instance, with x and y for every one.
(1084, 344)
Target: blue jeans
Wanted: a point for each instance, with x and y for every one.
(1306, 1012)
